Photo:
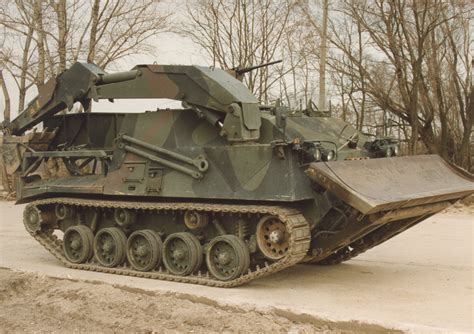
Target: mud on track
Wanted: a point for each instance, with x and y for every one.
(32, 303)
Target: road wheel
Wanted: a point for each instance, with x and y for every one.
(109, 246)
(182, 253)
(227, 257)
(144, 250)
(77, 243)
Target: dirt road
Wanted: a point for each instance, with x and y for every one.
(421, 280)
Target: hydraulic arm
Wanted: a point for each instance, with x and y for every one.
(212, 93)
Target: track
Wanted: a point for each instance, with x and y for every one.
(369, 241)
(296, 225)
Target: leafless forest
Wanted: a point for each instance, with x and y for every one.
(391, 68)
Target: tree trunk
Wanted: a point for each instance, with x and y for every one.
(60, 8)
(467, 143)
(93, 36)
(413, 106)
(360, 126)
(38, 14)
(24, 70)
(6, 97)
(322, 58)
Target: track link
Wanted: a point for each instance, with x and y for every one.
(295, 223)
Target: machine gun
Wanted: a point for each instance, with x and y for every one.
(238, 71)
(242, 70)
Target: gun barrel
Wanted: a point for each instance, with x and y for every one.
(251, 68)
(117, 77)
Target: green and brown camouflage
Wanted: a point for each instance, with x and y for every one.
(223, 149)
(220, 113)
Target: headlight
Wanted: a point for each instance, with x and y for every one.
(396, 150)
(329, 155)
(317, 154)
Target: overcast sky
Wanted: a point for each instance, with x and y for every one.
(170, 49)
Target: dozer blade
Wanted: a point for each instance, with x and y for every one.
(403, 184)
(389, 195)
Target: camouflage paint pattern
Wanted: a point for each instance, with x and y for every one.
(251, 156)
(242, 171)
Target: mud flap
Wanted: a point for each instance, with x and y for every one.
(393, 184)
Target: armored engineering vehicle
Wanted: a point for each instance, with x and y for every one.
(220, 192)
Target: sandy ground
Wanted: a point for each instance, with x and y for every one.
(420, 281)
(32, 303)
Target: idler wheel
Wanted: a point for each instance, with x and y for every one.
(272, 237)
(227, 257)
(124, 217)
(32, 219)
(109, 246)
(63, 211)
(182, 253)
(144, 250)
(77, 243)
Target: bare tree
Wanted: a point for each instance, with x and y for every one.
(241, 33)
(409, 59)
(43, 37)
(300, 67)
